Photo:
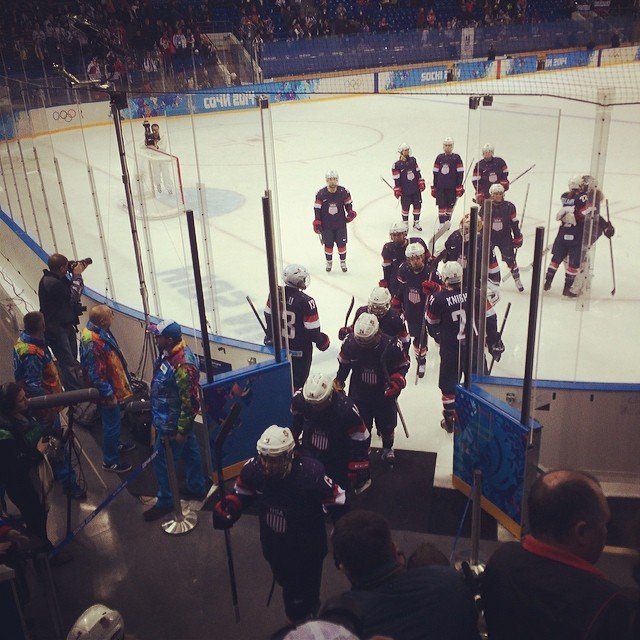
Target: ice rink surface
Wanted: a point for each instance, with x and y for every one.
(358, 136)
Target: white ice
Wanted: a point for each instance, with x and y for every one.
(358, 136)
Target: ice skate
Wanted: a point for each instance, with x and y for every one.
(343, 266)
(416, 225)
(328, 265)
(520, 286)
(389, 456)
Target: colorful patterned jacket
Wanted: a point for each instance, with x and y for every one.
(103, 363)
(175, 391)
(36, 372)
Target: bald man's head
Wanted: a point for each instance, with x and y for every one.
(568, 508)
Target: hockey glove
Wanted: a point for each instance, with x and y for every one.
(323, 342)
(459, 191)
(497, 350)
(396, 303)
(429, 287)
(569, 220)
(268, 342)
(358, 473)
(338, 385)
(317, 226)
(384, 284)
(225, 516)
(505, 184)
(351, 215)
(343, 332)
(608, 231)
(517, 242)
(396, 384)
(397, 191)
(421, 184)
(433, 192)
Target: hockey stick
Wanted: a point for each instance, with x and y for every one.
(349, 310)
(613, 269)
(258, 318)
(225, 429)
(504, 321)
(423, 336)
(524, 211)
(520, 175)
(466, 173)
(530, 266)
(437, 235)
(387, 183)
(385, 372)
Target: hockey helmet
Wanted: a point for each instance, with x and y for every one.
(589, 182)
(451, 273)
(415, 254)
(496, 188)
(465, 225)
(275, 447)
(98, 622)
(332, 177)
(487, 148)
(447, 142)
(379, 301)
(398, 232)
(365, 329)
(317, 391)
(404, 147)
(575, 183)
(295, 275)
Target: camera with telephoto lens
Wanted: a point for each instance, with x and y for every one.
(74, 263)
(149, 138)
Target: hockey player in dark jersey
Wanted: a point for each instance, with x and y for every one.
(300, 323)
(505, 230)
(568, 243)
(391, 320)
(378, 366)
(393, 255)
(411, 297)
(490, 170)
(595, 196)
(293, 492)
(456, 248)
(409, 185)
(329, 427)
(332, 210)
(448, 175)
(446, 319)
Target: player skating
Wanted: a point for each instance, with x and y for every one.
(448, 176)
(333, 209)
(505, 230)
(415, 280)
(300, 322)
(488, 171)
(391, 320)
(409, 185)
(378, 366)
(292, 491)
(446, 320)
(329, 427)
(576, 204)
(393, 255)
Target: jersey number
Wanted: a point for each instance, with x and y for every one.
(459, 315)
(289, 324)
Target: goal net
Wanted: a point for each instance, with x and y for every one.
(157, 188)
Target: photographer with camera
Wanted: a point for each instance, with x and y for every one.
(59, 292)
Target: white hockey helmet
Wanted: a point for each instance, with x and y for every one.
(447, 142)
(451, 272)
(98, 622)
(379, 301)
(317, 390)
(365, 329)
(589, 182)
(275, 447)
(496, 188)
(398, 231)
(332, 176)
(575, 183)
(414, 249)
(465, 226)
(295, 275)
(487, 147)
(404, 147)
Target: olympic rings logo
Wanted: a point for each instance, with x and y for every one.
(64, 114)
